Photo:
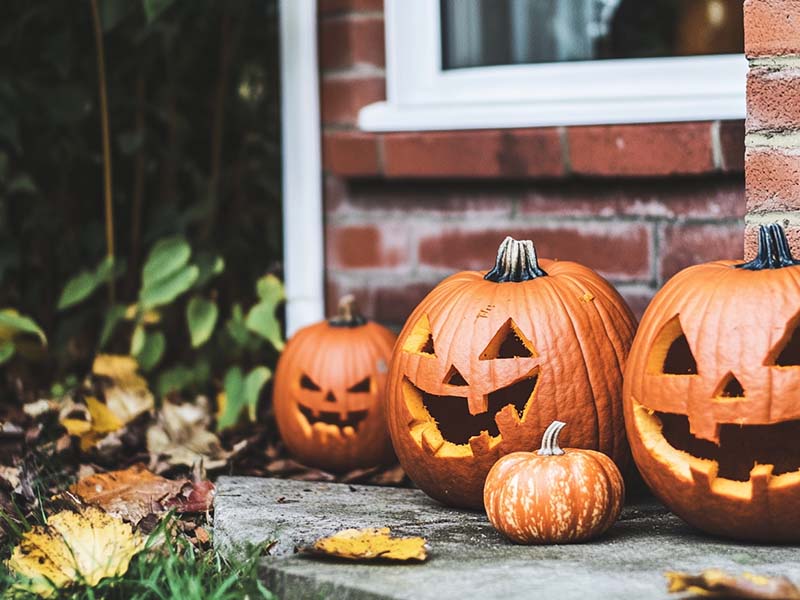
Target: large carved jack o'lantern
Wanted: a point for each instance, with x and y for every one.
(712, 394)
(488, 360)
(328, 393)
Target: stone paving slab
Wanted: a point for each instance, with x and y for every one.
(468, 558)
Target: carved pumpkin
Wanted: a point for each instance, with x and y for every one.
(328, 393)
(488, 360)
(553, 496)
(712, 394)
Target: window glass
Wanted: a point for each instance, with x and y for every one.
(479, 33)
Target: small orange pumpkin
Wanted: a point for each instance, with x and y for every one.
(488, 360)
(553, 496)
(328, 392)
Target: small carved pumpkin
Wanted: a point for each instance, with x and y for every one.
(328, 393)
(488, 360)
(712, 394)
(553, 496)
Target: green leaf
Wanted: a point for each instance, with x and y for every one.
(6, 351)
(234, 399)
(262, 320)
(167, 256)
(201, 316)
(85, 283)
(253, 383)
(152, 350)
(182, 377)
(12, 323)
(22, 184)
(270, 290)
(138, 339)
(210, 266)
(236, 326)
(113, 316)
(164, 291)
(154, 8)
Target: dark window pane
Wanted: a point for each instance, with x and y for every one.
(501, 32)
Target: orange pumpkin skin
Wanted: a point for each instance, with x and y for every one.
(554, 499)
(340, 425)
(576, 331)
(713, 421)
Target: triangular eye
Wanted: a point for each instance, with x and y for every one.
(508, 342)
(307, 384)
(362, 387)
(671, 354)
(787, 351)
(730, 387)
(453, 377)
(420, 340)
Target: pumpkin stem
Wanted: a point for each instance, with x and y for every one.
(516, 262)
(348, 314)
(773, 250)
(550, 445)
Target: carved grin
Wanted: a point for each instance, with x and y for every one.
(352, 419)
(445, 421)
(740, 447)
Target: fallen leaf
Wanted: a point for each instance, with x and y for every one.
(715, 583)
(195, 497)
(74, 547)
(130, 494)
(127, 396)
(40, 407)
(370, 544)
(181, 436)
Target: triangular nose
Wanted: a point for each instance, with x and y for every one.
(329, 397)
(732, 388)
(454, 377)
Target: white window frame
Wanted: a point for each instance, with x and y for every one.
(423, 96)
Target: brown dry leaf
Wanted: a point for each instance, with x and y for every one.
(182, 437)
(72, 547)
(370, 544)
(715, 583)
(130, 494)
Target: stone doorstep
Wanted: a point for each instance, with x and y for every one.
(468, 558)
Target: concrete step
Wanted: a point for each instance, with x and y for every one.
(468, 558)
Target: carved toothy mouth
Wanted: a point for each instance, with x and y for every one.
(353, 418)
(448, 418)
(740, 448)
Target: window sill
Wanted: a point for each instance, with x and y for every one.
(631, 150)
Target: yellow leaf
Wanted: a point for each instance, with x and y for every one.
(714, 583)
(76, 426)
(74, 547)
(103, 419)
(128, 396)
(370, 544)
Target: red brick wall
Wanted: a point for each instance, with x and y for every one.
(404, 210)
(772, 44)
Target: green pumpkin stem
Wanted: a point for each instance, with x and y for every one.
(516, 262)
(550, 445)
(773, 250)
(348, 314)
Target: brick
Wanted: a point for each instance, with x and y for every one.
(731, 140)
(335, 190)
(474, 154)
(672, 198)
(619, 251)
(771, 27)
(772, 180)
(327, 7)
(350, 153)
(686, 245)
(351, 41)
(367, 246)
(637, 299)
(342, 97)
(773, 99)
(390, 304)
(391, 199)
(751, 240)
(641, 150)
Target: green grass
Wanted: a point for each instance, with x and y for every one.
(171, 571)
